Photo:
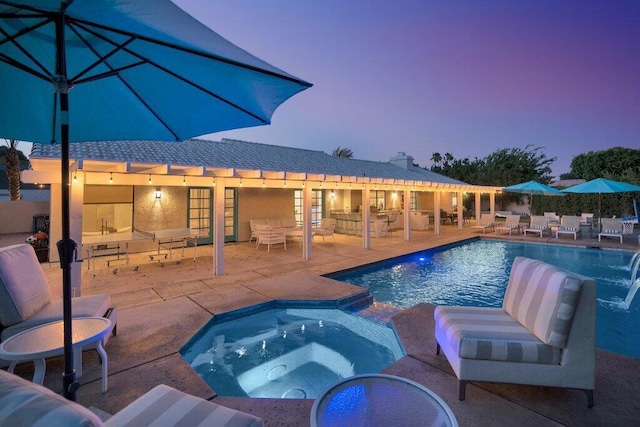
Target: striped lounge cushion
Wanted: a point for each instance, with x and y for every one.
(611, 231)
(164, 405)
(491, 334)
(543, 299)
(570, 229)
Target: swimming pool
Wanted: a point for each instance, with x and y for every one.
(476, 274)
(289, 352)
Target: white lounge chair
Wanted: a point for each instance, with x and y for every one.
(544, 333)
(267, 235)
(611, 227)
(486, 222)
(569, 225)
(537, 225)
(25, 298)
(327, 228)
(23, 403)
(512, 222)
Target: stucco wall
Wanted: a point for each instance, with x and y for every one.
(17, 216)
(261, 203)
(168, 212)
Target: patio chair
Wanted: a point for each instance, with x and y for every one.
(511, 223)
(327, 228)
(537, 225)
(28, 404)
(552, 217)
(611, 227)
(252, 224)
(486, 222)
(25, 298)
(569, 225)
(267, 235)
(543, 335)
(586, 218)
(391, 223)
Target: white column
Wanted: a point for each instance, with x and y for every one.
(307, 232)
(366, 219)
(436, 212)
(492, 204)
(218, 226)
(478, 202)
(407, 215)
(460, 211)
(75, 229)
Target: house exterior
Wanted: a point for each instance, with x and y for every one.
(221, 185)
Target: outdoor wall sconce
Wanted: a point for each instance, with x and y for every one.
(158, 193)
(333, 194)
(110, 177)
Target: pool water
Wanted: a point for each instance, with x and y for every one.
(290, 352)
(476, 274)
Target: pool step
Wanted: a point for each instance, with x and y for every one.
(355, 302)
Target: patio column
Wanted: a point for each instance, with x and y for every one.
(218, 226)
(436, 212)
(307, 232)
(460, 211)
(366, 219)
(478, 207)
(407, 215)
(492, 204)
(75, 229)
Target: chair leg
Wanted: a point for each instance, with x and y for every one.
(462, 385)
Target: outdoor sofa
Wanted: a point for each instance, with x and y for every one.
(544, 333)
(23, 403)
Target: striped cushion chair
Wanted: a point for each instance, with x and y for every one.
(23, 403)
(544, 333)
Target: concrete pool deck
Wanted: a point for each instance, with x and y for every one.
(160, 308)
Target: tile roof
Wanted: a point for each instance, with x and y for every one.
(230, 153)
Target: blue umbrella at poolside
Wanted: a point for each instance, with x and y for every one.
(600, 186)
(533, 188)
(100, 70)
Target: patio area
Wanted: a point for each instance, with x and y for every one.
(160, 308)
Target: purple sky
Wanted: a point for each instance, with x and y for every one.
(424, 76)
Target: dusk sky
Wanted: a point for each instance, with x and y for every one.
(424, 76)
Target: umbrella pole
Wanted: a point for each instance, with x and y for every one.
(66, 246)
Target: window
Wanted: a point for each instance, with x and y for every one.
(414, 201)
(316, 206)
(454, 200)
(377, 199)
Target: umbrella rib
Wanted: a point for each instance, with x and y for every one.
(144, 60)
(13, 39)
(190, 51)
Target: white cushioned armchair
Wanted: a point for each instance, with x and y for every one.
(25, 298)
(544, 333)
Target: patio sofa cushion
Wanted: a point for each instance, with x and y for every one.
(288, 222)
(87, 306)
(23, 403)
(24, 289)
(542, 298)
(491, 334)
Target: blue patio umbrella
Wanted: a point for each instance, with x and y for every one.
(533, 188)
(100, 70)
(600, 186)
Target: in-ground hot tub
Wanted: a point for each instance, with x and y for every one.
(289, 352)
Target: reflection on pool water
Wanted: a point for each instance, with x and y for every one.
(289, 353)
(476, 274)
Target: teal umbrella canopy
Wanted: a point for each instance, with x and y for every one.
(533, 188)
(600, 186)
(101, 70)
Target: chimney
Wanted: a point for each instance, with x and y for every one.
(402, 160)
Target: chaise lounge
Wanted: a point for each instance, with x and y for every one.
(23, 403)
(25, 298)
(512, 222)
(611, 227)
(569, 225)
(486, 222)
(537, 225)
(544, 333)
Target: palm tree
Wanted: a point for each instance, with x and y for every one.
(12, 160)
(342, 152)
(436, 158)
